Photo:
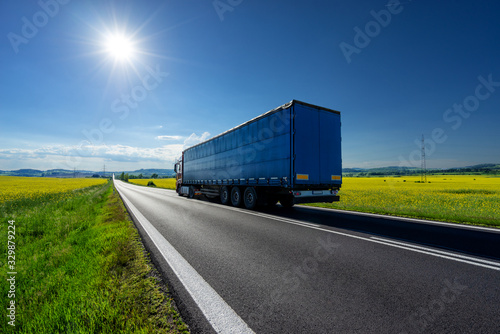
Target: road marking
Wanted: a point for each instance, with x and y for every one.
(219, 314)
(254, 213)
(418, 249)
(357, 213)
(413, 220)
(423, 250)
(265, 215)
(439, 251)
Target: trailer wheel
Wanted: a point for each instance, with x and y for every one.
(224, 195)
(191, 192)
(250, 198)
(287, 202)
(236, 196)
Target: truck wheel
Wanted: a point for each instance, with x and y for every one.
(191, 192)
(224, 195)
(287, 202)
(236, 196)
(250, 198)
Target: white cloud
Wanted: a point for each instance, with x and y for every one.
(86, 156)
(194, 139)
(169, 137)
(77, 155)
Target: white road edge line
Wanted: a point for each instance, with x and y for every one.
(423, 250)
(219, 314)
(439, 251)
(449, 256)
(418, 249)
(376, 215)
(264, 215)
(259, 214)
(428, 251)
(413, 220)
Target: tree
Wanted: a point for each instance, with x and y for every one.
(140, 176)
(122, 176)
(154, 176)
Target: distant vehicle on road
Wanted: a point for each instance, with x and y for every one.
(291, 154)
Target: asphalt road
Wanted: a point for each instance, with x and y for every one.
(309, 270)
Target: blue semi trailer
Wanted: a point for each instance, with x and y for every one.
(291, 154)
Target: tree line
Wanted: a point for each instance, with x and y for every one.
(126, 177)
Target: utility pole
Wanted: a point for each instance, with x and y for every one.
(423, 167)
(104, 171)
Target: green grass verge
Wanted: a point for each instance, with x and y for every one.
(81, 268)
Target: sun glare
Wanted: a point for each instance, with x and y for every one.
(119, 47)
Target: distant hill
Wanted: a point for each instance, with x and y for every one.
(490, 166)
(395, 170)
(481, 168)
(151, 171)
(26, 172)
(163, 173)
(84, 173)
(47, 173)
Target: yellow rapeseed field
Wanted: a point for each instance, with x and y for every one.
(15, 187)
(455, 198)
(160, 183)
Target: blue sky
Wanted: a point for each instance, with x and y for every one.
(395, 70)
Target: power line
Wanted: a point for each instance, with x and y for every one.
(423, 167)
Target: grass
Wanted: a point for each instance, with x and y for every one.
(469, 199)
(81, 268)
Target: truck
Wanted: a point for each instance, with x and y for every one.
(290, 155)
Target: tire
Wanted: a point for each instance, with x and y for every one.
(191, 192)
(224, 195)
(236, 196)
(287, 202)
(250, 198)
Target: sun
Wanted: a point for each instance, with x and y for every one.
(119, 47)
